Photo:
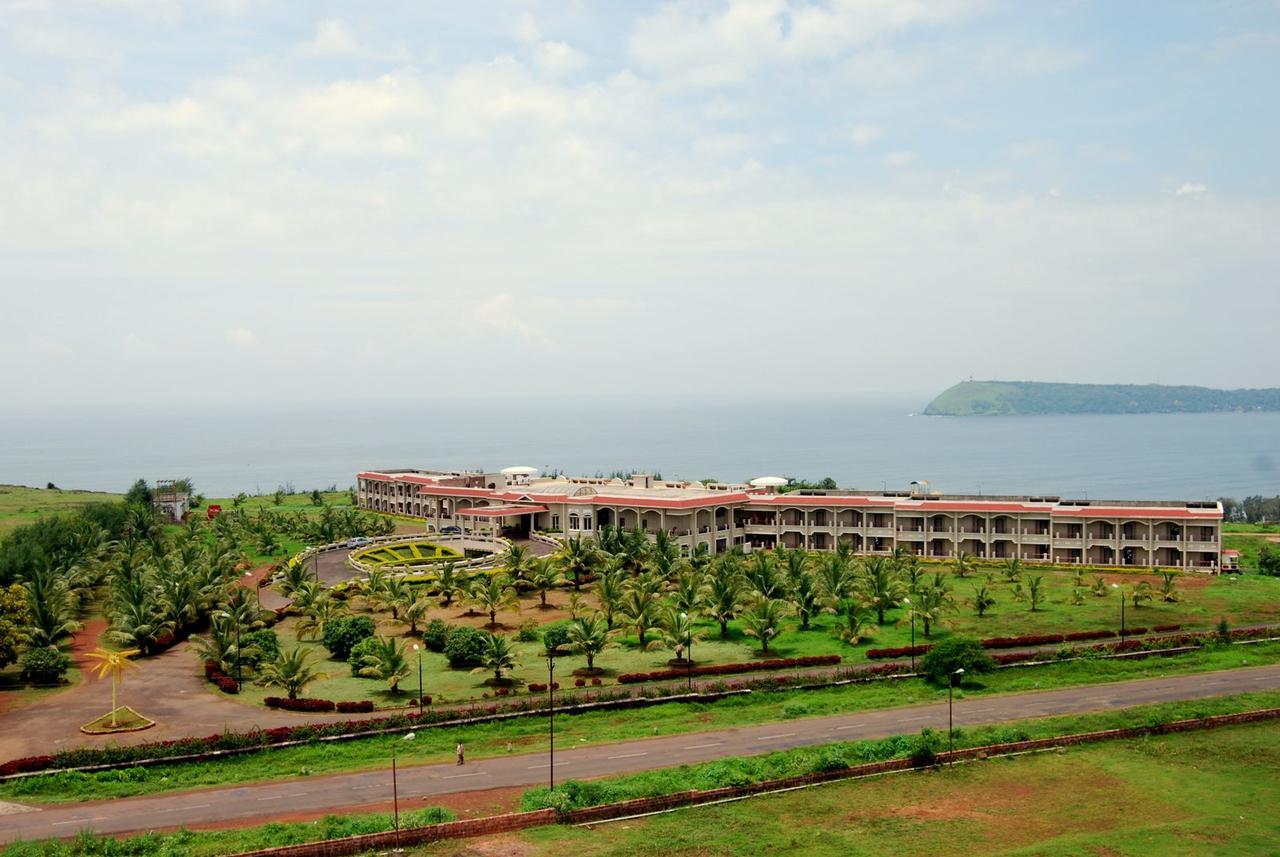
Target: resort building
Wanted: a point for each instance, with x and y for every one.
(516, 501)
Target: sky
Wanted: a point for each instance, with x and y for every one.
(243, 200)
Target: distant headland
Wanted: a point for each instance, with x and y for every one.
(1034, 398)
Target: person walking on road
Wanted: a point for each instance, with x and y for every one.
(460, 752)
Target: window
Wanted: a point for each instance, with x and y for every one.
(586, 522)
(573, 522)
(555, 522)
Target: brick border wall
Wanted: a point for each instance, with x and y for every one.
(642, 806)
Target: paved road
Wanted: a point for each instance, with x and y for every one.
(340, 791)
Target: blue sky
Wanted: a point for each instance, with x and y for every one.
(755, 196)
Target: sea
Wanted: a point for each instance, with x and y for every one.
(861, 442)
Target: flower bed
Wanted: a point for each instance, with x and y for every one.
(224, 682)
(897, 652)
(287, 704)
(730, 669)
(1024, 640)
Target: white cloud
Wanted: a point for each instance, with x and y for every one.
(501, 313)
(863, 133)
(334, 39)
(558, 58)
(899, 159)
(1190, 189)
(525, 28)
(240, 337)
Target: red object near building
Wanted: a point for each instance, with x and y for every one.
(213, 512)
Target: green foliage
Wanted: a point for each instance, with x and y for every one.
(261, 645)
(555, 636)
(953, 653)
(358, 651)
(435, 634)
(925, 748)
(1269, 560)
(289, 672)
(528, 632)
(139, 494)
(1004, 398)
(465, 646)
(341, 635)
(384, 658)
(15, 616)
(44, 665)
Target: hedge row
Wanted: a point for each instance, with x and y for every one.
(213, 672)
(1024, 640)
(346, 706)
(730, 669)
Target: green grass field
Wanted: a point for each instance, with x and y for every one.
(1191, 794)
(529, 734)
(21, 505)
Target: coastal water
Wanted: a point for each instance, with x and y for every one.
(867, 443)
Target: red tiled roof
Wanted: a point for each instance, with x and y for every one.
(1136, 512)
(499, 511)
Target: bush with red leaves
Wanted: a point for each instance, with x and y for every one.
(1166, 628)
(729, 669)
(363, 706)
(897, 652)
(287, 704)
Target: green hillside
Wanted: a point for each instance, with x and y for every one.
(1028, 398)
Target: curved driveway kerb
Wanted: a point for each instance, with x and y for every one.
(341, 791)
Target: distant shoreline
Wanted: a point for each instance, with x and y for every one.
(1035, 398)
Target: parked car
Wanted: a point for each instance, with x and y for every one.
(451, 531)
(358, 542)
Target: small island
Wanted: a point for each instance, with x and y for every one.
(1035, 398)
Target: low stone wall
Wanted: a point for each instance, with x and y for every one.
(644, 806)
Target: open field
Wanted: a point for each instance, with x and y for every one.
(529, 734)
(22, 505)
(1190, 794)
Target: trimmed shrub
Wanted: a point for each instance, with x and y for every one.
(729, 669)
(358, 651)
(267, 645)
(1135, 631)
(954, 653)
(528, 632)
(363, 706)
(44, 665)
(555, 637)
(288, 704)
(341, 635)
(1166, 628)
(897, 652)
(465, 647)
(1079, 636)
(435, 634)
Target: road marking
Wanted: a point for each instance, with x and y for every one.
(297, 794)
(182, 808)
(72, 821)
(702, 746)
(771, 737)
(629, 755)
(272, 797)
(455, 776)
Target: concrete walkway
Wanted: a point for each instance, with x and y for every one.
(418, 784)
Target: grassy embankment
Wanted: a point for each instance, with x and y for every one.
(21, 505)
(529, 734)
(1244, 600)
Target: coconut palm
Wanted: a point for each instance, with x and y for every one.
(394, 594)
(1141, 592)
(762, 576)
(589, 636)
(449, 583)
(1099, 586)
(51, 606)
(518, 564)
(289, 672)
(928, 605)
(962, 563)
(763, 620)
(306, 594)
(577, 605)
(879, 586)
(417, 609)
(1036, 592)
(723, 594)
(545, 577)
(836, 580)
(610, 591)
(112, 664)
(633, 549)
(639, 609)
(982, 600)
(686, 592)
(857, 625)
(492, 594)
(318, 616)
(578, 559)
(384, 658)
(1169, 586)
(295, 573)
(498, 655)
(1013, 569)
(676, 631)
(801, 587)
(138, 623)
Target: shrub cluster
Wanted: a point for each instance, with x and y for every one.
(1024, 640)
(729, 669)
(435, 634)
(213, 672)
(362, 706)
(897, 652)
(464, 646)
(288, 704)
(534, 687)
(342, 635)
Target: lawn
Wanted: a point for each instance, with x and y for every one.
(1197, 793)
(21, 505)
(529, 734)
(1243, 600)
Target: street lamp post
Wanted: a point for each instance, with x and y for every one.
(912, 613)
(1116, 586)
(395, 791)
(418, 649)
(551, 716)
(951, 739)
(688, 649)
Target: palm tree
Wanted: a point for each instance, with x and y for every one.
(676, 629)
(394, 594)
(295, 573)
(686, 594)
(610, 591)
(492, 594)
(498, 655)
(1013, 569)
(879, 586)
(589, 636)
(577, 605)
(518, 564)
(963, 563)
(982, 600)
(318, 616)
(723, 595)
(762, 576)
(137, 623)
(857, 625)
(1035, 591)
(836, 580)
(1099, 586)
(224, 644)
(385, 659)
(578, 558)
(763, 620)
(802, 588)
(544, 577)
(633, 549)
(290, 672)
(1169, 586)
(417, 609)
(639, 608)
(306, 594)
(113, 664)
(928, 604)
(50, 604)
(1141, 592)
(449, 583)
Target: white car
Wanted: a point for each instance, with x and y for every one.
(358, 542)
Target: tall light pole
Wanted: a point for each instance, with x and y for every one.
(912, 613)
(551, 715)
(951, 734)
(688, 649)
(418, 649)
(1116, 586)
(395, 792)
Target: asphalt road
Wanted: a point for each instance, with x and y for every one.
(340, 791)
